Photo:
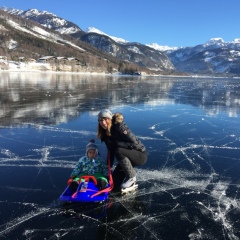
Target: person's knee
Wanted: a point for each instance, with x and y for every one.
(119, 153)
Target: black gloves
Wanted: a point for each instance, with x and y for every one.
(73, 186)
(101, 184)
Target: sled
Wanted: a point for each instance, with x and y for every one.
(87, 191)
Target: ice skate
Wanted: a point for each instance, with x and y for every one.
(129, 189)
(129, 185)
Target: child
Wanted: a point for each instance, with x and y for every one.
(90, 164)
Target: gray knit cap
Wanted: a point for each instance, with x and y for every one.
(91, 145)
(105, 113)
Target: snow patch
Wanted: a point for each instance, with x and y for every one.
(161, 48)
(94, 30)
(12, 44)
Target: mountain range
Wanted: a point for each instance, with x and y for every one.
(215, 57)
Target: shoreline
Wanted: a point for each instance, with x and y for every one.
(117, 74)
(45, 68)
(37, 67)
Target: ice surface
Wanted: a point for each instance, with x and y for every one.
(188, 189)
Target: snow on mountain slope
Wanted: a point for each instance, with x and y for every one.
(214, 56)
(46, 19)
(41, 33)
(95, 30)
(161, 48)
(236, 40)
(217, 42)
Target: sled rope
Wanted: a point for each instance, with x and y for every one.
(108, 189)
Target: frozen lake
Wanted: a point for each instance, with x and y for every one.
(188, 189)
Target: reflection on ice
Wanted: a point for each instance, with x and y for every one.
(55, 98)
(189, 188)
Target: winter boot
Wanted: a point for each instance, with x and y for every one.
(128, 183)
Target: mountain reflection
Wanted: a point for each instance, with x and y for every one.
(55, 98)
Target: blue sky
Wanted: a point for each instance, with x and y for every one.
(175, 23)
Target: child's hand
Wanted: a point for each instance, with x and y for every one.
(101, 184)
(73, 186)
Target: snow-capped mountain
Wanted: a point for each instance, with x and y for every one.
(28, 45)
(121, 40)
(135, 53)
(116, 39)
(129, 51)
(214, 42)
(37, 31)
(236, 40)
(46, 19)
(162, 48)
(213, 57)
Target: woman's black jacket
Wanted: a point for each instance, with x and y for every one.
(121, 136)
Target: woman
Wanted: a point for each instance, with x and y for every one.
(122, 144)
